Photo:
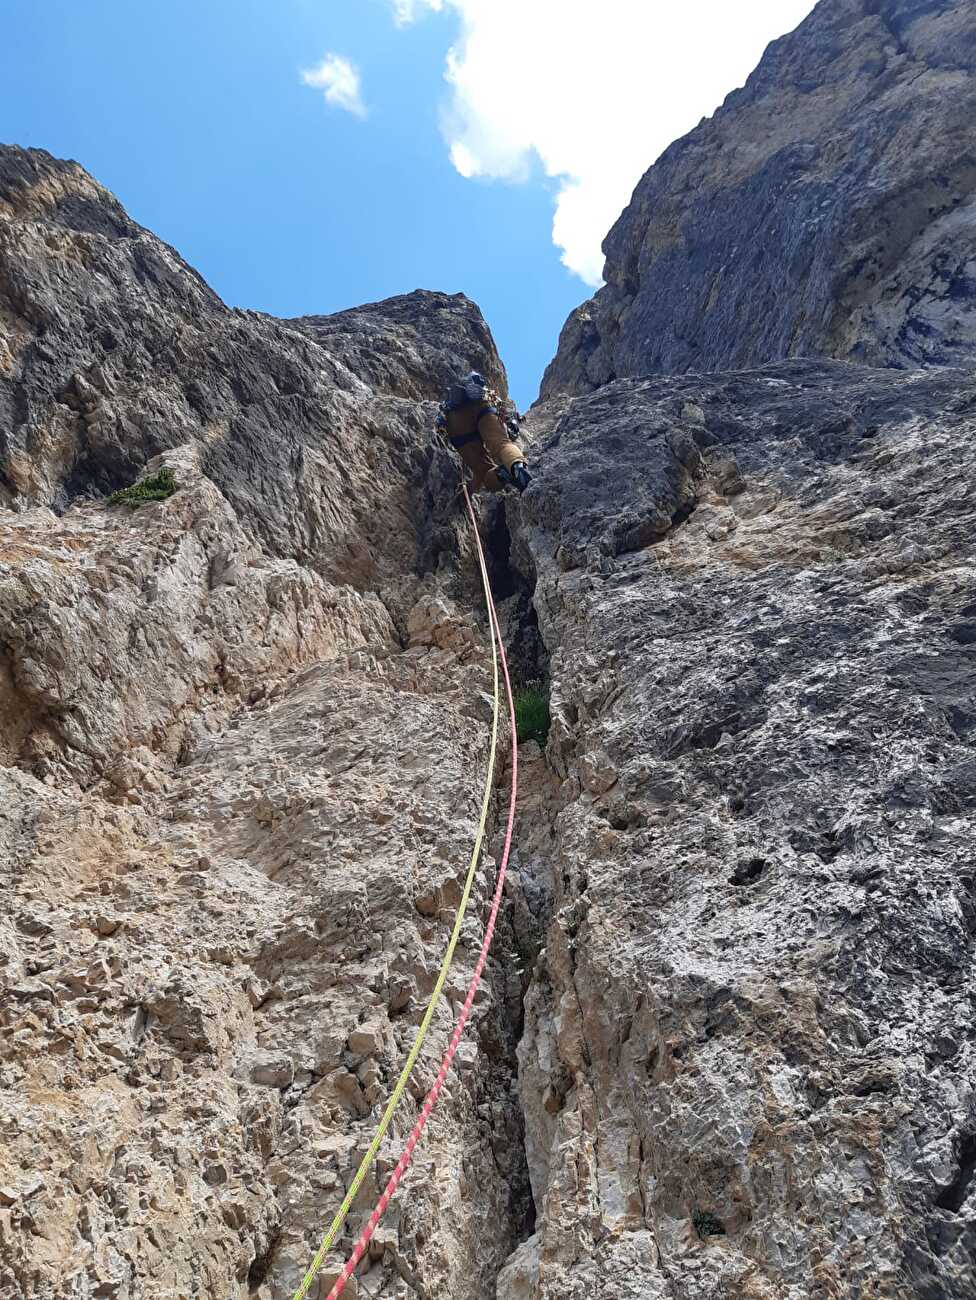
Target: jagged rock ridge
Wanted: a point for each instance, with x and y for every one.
(827, 209)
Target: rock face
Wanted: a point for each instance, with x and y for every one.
(827, 209)
(242, 738)
(749, 1068)
(115, 351)
(725, 1048)
(411, 346)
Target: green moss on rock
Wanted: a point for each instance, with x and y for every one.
(155, 488)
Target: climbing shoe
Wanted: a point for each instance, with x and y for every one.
(520, 475)
(517, 477)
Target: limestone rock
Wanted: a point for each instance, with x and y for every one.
(412, 346)
(97, 384)
(724, 1046)
(827, 209)
(748, 1041)
(225, 775)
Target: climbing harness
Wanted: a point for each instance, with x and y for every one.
(459, 440)
(515, 476)
(497, 655)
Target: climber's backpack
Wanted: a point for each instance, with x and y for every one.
(473, 388)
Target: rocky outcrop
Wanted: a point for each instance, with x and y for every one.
(208, 993)
(302, 484)
(242, 731)
(827, 209)
(411, 346)
(748, 1067)
(725, 1047)
(115, 351)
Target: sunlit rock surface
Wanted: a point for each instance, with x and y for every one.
(827, 209)
(724, 1050)
(243, 737)
(748, 1065)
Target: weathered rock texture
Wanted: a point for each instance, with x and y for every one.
(242, 732)
(726, 1049)
(827, 209)
(749, 1065)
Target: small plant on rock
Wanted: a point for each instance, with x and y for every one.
(707, 1224)
(155, 488)
(532, 712)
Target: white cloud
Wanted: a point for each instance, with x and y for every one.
(593, 91)
(407, 11)
(340, 80)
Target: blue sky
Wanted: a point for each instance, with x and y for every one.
(195, 113)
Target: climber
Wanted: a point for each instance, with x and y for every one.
(471, 421)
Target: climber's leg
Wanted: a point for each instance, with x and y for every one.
(501, 449)
(482, 473)
(507, 455)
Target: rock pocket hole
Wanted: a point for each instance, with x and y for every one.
(829, 847)
(876, 1088)
(963, 633)
(260, 1269)
(748, 872)
(707, 1224)
(683, 513)
(954, 1196)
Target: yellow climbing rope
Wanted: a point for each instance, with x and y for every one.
(335, 1227)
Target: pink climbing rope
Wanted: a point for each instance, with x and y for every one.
(365, 1236)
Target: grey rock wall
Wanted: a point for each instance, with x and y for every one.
(414, 345)
(749, 1065)
(828, 209)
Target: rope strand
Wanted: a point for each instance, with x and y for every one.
(497, 653)
(365, 1236)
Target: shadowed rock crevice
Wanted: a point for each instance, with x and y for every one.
(954, 1197)
(513, 585)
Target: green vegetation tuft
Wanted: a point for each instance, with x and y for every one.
(156, 488)
(707, 1224)
(532, 713)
